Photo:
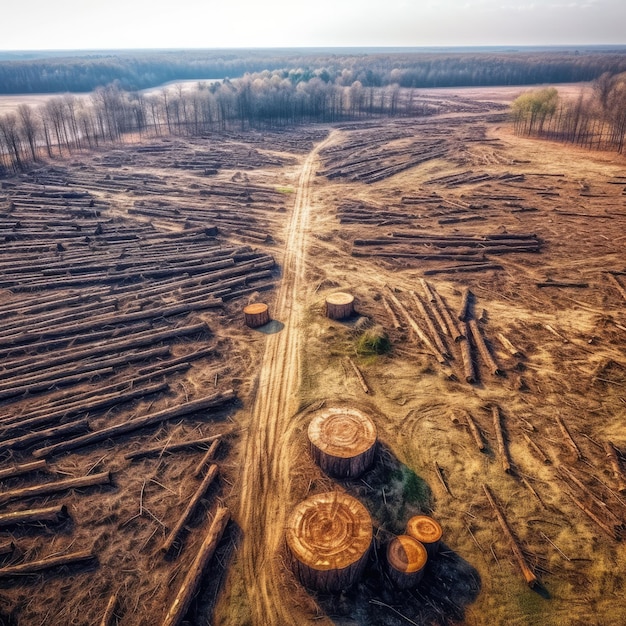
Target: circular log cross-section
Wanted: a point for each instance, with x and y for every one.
(406, 558)
(256, 314)
(339, 306)
(427, 531)
(343, 441)
(329, 536)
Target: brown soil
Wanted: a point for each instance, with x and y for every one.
(571, 364)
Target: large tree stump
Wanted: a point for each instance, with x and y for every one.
(329, 536)
(339, 306)
(256, 314)
(343, 441)
(406, 559)
(427, 531)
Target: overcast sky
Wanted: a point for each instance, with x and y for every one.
(80, 24)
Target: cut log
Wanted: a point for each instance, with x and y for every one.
(466, 356)
(174, 447)
(24, 468)
(256, 314)
(427, 531)
(613, 459)
(513, 351)
(486, 356)
(617, 284)
(503, 452)
(475, 432)
(453, 327)
(609, 530)
(568, 437)
(41, 435)
(329, 536)
(72, 558)
(190, 582)
(189, 509)
(359, 375)
(392, 316)
(529, 575)
(182, 410)
(343, 441)
(406, 560)
(45, 489)
(543, 457)
(37, 516)
(465, 311)
(430, 324)
(339, 306)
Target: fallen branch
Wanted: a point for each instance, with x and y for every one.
(359, 375)
(503, 452)
(107, 617)
(210, 454)
(174, 447)
(568, 437)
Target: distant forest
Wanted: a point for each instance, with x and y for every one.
(138, 70)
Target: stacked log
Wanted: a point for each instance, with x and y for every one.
(343, 441)
(406, 560)
(329, 536)
(427, 531)
(256, 314)
(339, 306)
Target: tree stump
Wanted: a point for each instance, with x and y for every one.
(406, 559)
(257, 314)
(329, 536)
(427, 531)
(343, 441)
(339, 306)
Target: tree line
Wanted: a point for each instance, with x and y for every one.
(596, 119)
(70, 123)
(144, 69)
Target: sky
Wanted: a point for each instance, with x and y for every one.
(113, 24)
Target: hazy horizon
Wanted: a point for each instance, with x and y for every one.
(67, 25)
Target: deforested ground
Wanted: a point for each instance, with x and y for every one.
(124, 276)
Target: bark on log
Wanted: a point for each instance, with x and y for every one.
(568, 437)
(256, 314)
(503, 452)
(185, 592)
(209, 456)
(339, 306)
(468, 361)
(513, 351)
(543, 457)
(416, 329)
(466, 303)
(406, 560)
(343, 441)
(455, 331)
(104, 478)
(394, 318)
(329, 536)
(24, 468)
(427, 531)
(40, 435)
(475, 432)
(359, 375)
(72, 558)
(611, 455)
(441, 346)
(529, 575)
(47, 514)
(174, 447)
(182, 410)
(479, 341)
(189, 509)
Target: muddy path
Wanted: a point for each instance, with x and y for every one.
(265, 483)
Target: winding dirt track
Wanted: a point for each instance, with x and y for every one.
(266, 479)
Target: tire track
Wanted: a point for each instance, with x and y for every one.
(265, 487)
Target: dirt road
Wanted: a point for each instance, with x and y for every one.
(267, 458)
